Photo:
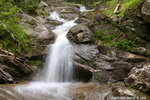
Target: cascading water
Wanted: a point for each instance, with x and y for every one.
(59, 61)
(58, 68)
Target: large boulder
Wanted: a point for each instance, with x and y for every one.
(140, 78)
(80, 34)
(40, 33)
(146, 11)
(86, 54)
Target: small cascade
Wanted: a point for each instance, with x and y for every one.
(58, 67)
(83, 9)
(58, 70)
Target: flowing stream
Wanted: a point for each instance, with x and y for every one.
(58, 71)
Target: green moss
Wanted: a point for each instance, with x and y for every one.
(113, 41)
(36, 62)
(132, 4)
(107, 38)
(125, 5)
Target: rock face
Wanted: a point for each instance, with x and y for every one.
(140, 78)
(5, 77)
(9, 94)
(80, 34)
(69, 16)
(43, 4)
(35, 28)
(146, 11)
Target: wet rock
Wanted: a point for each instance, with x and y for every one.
(5, 77)
(66, 10)
(145, 10)
(100, 18)
(82, 74)
(123, 91)
(19, 63)
(140, 78)
(119, 91)
(43, 4)
(104, 50)
(148, 46)
(69, 16)
(8, 93)
(103, 76)
(121, 70)
(85, 54)
(80, 34)
(9, 70)
(82, 21)
(130, 57)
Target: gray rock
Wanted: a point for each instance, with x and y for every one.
(140, 78)
(82, 21)
(5, 77)
(145, 10)
(124, 93)
(43, 4)
(85, 54)
(40, 32)
(80, 34)
(69, 16)
(29, 19)
(121, 70)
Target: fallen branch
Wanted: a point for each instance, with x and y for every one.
(117, 8)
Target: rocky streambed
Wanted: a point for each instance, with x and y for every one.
(111, 72)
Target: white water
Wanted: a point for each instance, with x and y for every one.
(83, 9)
(58, 68)
(59, 61)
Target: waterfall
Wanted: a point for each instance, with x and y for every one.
(58, 67)
(58, 70)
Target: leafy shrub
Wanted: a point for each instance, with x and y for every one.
(101, 35)
(108, 39)
(28, 6)
(12, 36)
(124, 44)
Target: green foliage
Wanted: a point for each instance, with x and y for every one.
(29, 6)
(35, 62)
(124, 44)
(111, 40)
(86, 2)
(128, 4)
(107, 38)
(12, 36)
(125, 5)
